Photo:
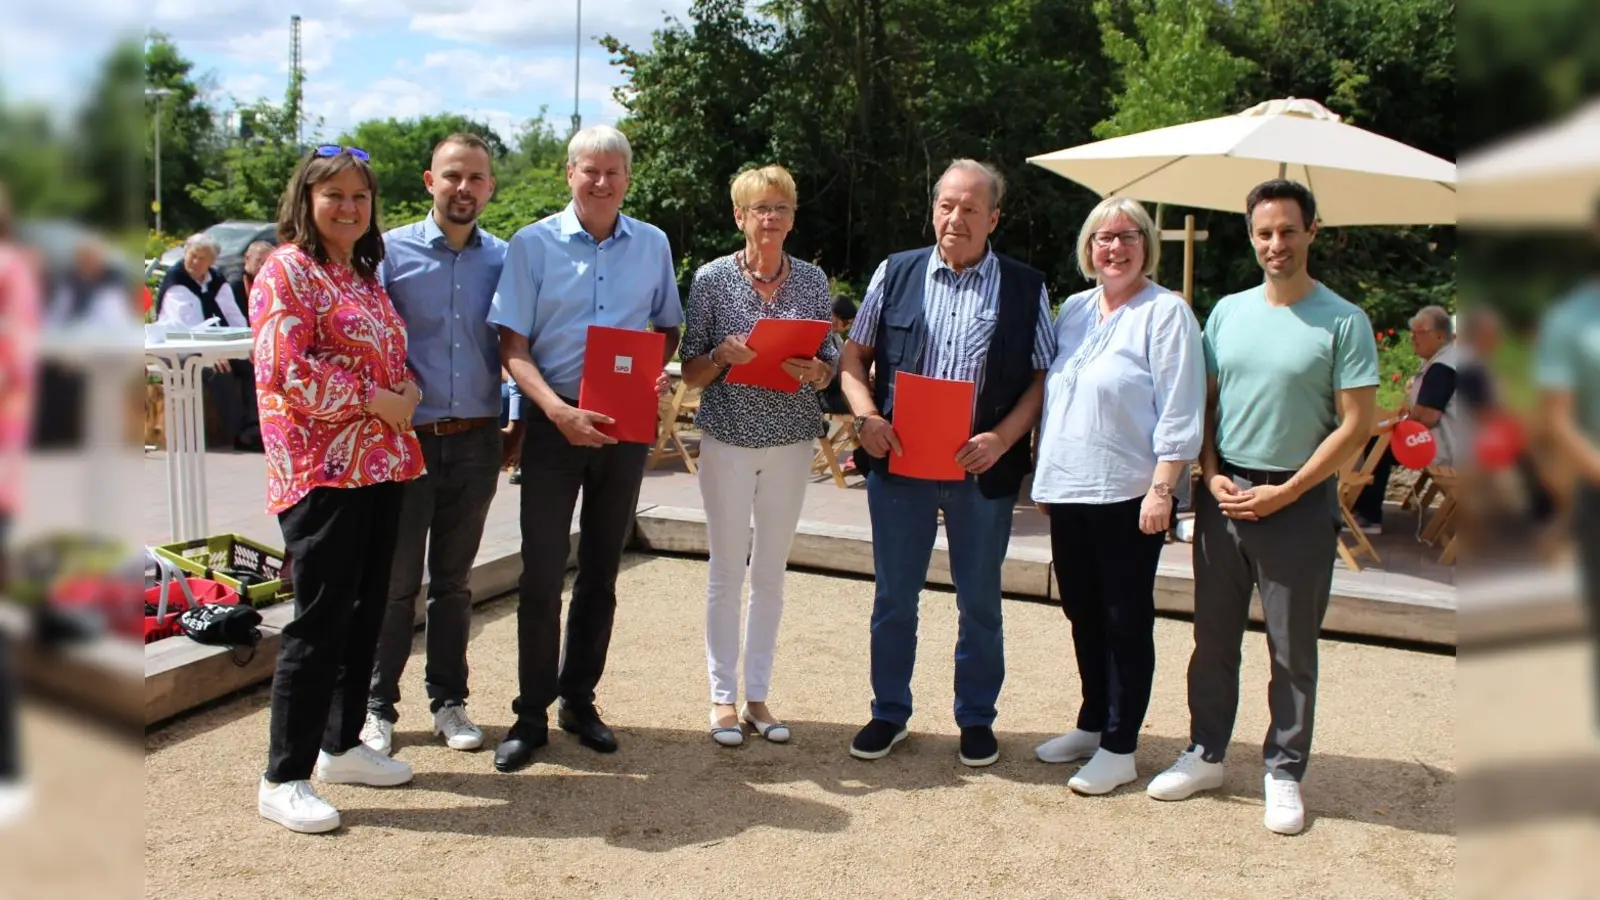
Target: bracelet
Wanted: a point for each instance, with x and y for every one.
(712, 356)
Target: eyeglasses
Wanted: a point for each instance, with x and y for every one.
(327, 150)
(782, 210)
(1129, 238)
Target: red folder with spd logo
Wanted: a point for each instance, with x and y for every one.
(620, 369)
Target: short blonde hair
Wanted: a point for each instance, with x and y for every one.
(751, 183)
(1105, 211)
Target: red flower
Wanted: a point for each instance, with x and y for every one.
(1396, 377)
(1391, 332)
(1378, 336)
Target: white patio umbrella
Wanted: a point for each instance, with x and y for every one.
(1359, 178)
(1548, 176)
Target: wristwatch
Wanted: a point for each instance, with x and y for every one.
(861, 421)
(1161, 489)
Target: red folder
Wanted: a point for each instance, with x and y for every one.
(775, 340)
(620, 368)
(933, 419)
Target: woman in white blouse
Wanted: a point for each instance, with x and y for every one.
(1123, 412)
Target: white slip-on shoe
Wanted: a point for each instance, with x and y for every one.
(378, 734)
(1286, 810)
(1187, 777)
(296, 806)
(1070, 747)
(362, 765)
(776, 732)
(458, 731)
(1105, 773)
(726, 735)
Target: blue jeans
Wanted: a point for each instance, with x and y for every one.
(905, 522)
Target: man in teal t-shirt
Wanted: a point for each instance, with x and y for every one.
(1569, 375)
(1293, 388)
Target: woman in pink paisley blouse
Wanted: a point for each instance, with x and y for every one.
(336, 400)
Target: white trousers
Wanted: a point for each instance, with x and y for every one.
(738, 485)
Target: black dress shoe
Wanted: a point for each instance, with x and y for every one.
(516, 751)
(584, 722)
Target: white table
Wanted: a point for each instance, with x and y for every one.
(182, 362)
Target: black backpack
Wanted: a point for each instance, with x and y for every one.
(222, 624)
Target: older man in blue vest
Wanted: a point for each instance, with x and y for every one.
(959, 311)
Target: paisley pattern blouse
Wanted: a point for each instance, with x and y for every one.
(19, 322)
(325, 340)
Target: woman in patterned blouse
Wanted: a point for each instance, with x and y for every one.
(756, 444)
(336, 400)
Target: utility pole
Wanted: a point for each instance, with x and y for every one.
(296, 76)
(577, 59)
(160, 94)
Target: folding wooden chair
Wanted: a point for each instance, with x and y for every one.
(677, 417)
(1353, 478)
(1441, 526)
(840, 439)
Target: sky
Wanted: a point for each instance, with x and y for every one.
(498, 61)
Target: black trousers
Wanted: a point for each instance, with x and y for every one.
(1106, 568)
(554, 472)
(341, 543)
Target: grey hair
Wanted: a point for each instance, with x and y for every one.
(260, 245)
(997, 182)
(1437, 318)
(202, 241)
(598, 139)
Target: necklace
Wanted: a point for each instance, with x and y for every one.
(783, 265)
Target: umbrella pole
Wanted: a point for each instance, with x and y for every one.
(1188, 258)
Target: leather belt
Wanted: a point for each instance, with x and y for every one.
(1258, 476)
(447, 427)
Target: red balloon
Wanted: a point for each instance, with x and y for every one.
(1412, 444)
(1499, 442)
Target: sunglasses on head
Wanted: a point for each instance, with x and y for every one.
(326, 150)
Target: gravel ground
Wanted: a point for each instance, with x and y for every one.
(673, 815)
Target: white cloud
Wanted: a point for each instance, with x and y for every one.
(250, 87)
(318, 40)
(521, 23)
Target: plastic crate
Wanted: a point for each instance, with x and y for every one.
(206, 557)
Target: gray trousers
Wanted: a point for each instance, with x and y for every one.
(1289, 557)
(442, 513)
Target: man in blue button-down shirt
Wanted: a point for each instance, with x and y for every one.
(441, 274)
(587, 265)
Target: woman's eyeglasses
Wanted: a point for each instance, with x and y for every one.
(327, 150)
(1128, 238)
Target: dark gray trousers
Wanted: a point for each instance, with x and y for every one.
(1586, 519)
(1289, 557)
(442, 514)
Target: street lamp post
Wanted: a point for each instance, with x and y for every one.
(577, 55)
(160, 94)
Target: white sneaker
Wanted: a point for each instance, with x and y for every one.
(1187, 777)
(1286, 811)
(378, 734)
(458, 730)
(16, 797)
(362, 765)
(1074, 745)
(295, 806)
(1105, 773)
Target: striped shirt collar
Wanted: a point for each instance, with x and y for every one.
(985, 268)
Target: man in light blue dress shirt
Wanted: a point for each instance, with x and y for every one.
(587, 265)
(441, 274)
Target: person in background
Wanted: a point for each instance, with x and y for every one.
(192, 294)
(1282, 417)
(196, 291)
(1482, 397)
(336, 407)
(19, 322)
(243, 370)
(958, 311)
(844, 316)
(441, 275)
(1568, 374)
(92, 297)
(254, 256)
(1124, 403)
(832, 397)
(586, 265)
(757, 443)
(1431, 398)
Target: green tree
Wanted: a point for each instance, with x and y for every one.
(191, 142)
(1170, 69)
(254, 168)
